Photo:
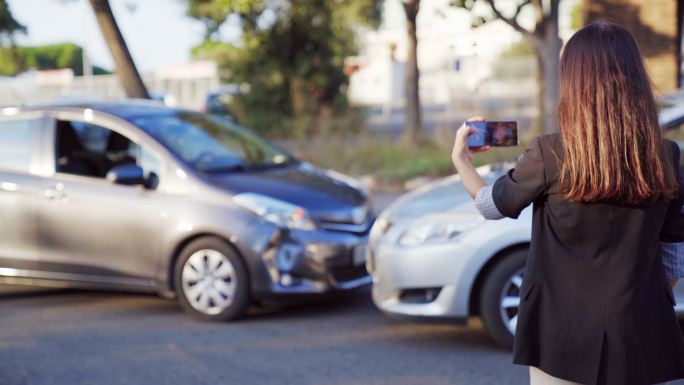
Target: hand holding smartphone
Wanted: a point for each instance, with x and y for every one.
(493, 133)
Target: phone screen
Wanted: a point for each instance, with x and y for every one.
(493, 133)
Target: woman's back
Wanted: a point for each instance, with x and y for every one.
(597, 231)
(594, 276)
(607, 194)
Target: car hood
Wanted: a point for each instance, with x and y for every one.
(440, 197)
(327, 195)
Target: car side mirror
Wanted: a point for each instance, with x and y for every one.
(127, 174)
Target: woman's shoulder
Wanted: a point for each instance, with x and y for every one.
(549, 141)
(548, 147)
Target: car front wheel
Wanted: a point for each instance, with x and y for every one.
(500, 297)
(211, 280)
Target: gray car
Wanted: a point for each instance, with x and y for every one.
(141, 197)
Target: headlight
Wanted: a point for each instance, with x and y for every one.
(276, 211)
(431, 230)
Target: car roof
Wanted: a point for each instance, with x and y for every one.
(126, 110)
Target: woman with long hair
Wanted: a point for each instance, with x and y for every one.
(608, 226)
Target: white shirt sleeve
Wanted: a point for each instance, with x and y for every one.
(672, 255)
(485, 204)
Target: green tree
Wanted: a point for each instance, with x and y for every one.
(213, 13)
(9, 27)
(50, 56)
(291, 54)
(544, 40)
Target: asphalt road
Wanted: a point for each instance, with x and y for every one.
(71, 337)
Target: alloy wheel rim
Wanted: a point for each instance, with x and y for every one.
(509, 301)
(209, 281)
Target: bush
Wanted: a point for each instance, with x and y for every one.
(51, 56)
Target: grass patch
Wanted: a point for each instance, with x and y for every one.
(389, 161)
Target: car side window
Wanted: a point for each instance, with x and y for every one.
(94, 138)
(151, 166)
(90, 150)
(16, 144)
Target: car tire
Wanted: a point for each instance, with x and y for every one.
(211, 280)
(498, 307)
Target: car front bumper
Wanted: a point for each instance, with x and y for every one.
(430, 282)
(309, 263)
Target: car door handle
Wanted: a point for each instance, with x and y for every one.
(55, 193)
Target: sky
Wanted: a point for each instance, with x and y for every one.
(157, 32)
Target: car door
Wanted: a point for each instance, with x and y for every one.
(90, 228)
(20, 143)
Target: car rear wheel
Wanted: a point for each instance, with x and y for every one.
(211, 280)
(500, 297)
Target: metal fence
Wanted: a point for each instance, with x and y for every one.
(182, 92)
(505, 88)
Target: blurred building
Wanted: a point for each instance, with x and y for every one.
(462, 68)
(657, 27)
(460, 72)
(450, 60)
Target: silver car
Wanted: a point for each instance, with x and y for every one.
(432, 256)
(142, 197)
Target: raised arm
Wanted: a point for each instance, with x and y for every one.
(462, 157)
(512, 192)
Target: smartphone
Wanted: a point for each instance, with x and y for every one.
(493, 133)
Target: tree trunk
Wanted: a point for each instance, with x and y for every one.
(125, 67)
(547, 95)
(549, 87)
(547, 46)
(297, 96)
(19, 65)
(413, 130)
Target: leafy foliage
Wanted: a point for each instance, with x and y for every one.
(213, 13)
(577, 16)
(522, 48)
(291, 55)
(8, 25)
(44, 57)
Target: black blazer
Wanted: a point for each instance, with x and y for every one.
(596, 307)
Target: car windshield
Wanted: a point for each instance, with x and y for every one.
(211, 143)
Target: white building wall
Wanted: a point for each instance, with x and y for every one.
(454, 59)
(460, 59)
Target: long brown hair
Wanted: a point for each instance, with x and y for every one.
(612, 143)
